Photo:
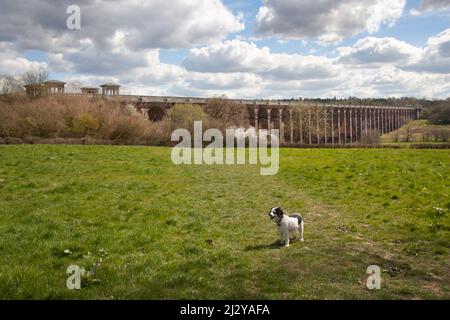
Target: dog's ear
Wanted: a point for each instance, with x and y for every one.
(279, 211)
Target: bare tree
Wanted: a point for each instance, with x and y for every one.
(372, 137)
(312, 121)
(10, 84)
(408, 133)
(226, 111)
(34, 80)
(35, 76)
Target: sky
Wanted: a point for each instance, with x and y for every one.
(267, 49)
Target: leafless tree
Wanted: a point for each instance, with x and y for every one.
(226, 111)
(35, 76)
(312, 122)
(408, 133)
(10, 84)
(372, 137)
(34, 80)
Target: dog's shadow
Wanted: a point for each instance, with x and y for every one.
(275, 245)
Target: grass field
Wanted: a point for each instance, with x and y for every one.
(165, 231)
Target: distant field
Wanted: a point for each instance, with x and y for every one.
(419, 131)
(166, 231)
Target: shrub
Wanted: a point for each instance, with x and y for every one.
(371, 137)
(227, 112)
(439, 113)
(85, 124)
(65, 116)
(184, 115)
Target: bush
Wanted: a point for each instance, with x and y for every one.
(64, 116)
(371, 137)
(430, 146)
(184, 115)
(227, 113)
(86, 124)
(22, 118)
(439, 113)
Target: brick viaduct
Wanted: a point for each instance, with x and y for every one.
(298, 121)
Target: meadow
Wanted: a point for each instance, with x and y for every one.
(153, 230)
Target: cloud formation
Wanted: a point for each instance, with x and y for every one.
(371, 50)
(326, 20)
(371, 67)
(12, 63)
(436, 56)
(241, 56)
(431, 5)
(143, 24)
(125, 43)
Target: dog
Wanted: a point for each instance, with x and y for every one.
(287, 224)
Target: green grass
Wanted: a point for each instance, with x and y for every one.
(202, 232)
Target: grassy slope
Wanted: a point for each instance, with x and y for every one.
(202, 231)
(418, 129)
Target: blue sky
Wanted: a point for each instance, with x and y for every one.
(248, 49)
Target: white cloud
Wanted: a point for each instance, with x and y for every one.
(141, 24)
(298, 67)
(114, 35)
(431, 5)
(228, 56)
(123, 46)
(372, 50)
(436, 56)
(222, 81)
(326, 20)
(13, 64)
(240, 56)
(155, 72)
(18, 66)
(372, 67)
(232, 85)
(391, 81)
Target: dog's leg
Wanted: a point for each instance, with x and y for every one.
(301, 227)
(286, 239)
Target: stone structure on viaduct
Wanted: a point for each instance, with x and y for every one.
(298, 121)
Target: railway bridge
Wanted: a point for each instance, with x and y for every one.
(298, 121)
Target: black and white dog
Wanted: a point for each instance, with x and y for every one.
(287, 224)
